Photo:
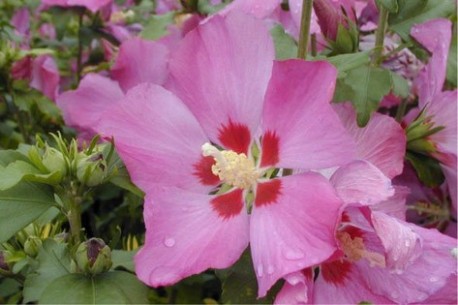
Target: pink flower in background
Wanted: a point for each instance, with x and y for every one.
(205, 154)
(92, 5)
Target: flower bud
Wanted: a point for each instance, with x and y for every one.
(93, 256)
(54, 160)
(92, 170)
(32, 245)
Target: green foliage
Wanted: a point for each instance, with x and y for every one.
(114, 287)
(285, 46)
(156, 27)
(365, 86)
(390, 5)
(427, 168)
(22, 204)
(417, 11)
(452, 58)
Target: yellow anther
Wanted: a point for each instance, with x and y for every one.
(232, 168)
(355, 250)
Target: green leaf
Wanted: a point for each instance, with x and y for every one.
(452, 58)
(8, 156)
(122, 258)
(399, 85)
(389, 5)
(417, 11)
(427, 168)
(285, 46)
(157, 26)
(20, 170)
(364, 87)
(53, 262)
(115, 287)
(21, 205)
(240, 284)
(347, 62)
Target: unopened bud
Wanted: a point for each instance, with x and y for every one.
(32, 245)
(93, 256)
(92, 170)
(54, 161)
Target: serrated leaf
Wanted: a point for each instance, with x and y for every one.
(115, 287)
(364, 87)
(53, 262)
(417, 11)
(389, 5)
(285, 46)
(21, 205)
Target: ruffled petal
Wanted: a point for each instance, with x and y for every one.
(394, 206)
(140, 61)
(361, 182)
(294, 229)
(258, 8)
(45, 76)
(158, 139)
(185, 235)
(221, 72)
(82, 108)
(435, 35)
(298, 288)
(382, 141)
(295, 111)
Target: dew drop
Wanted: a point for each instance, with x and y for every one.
(394, 295)
(293, 255)
(260, 270)
(169, 242)
(270, 269)
(433, 279)
(407, 243)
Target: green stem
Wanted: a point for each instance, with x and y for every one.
(380, 35)
(79, 58)
(72, 205)
(401, 111)
(307, 6)
(313, 44)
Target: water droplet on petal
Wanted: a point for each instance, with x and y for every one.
(394, 295)
(294, 254)
(433, 279)
(407, 243)
(260, 270)
(270, 269)
(169, 242)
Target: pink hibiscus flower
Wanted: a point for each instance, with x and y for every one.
(206, 156)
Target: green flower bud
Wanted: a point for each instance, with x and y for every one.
(93, 256)
(32, 245)
(54, 160)
(92, 170)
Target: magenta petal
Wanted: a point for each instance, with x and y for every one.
(221, 71)
(298, 288)
(186, 236)
(82, 108)
(435, 35)
(140, 61)
(382, 141)
(295, 231)
(259, 8)
(361, 182)
(157, 137)
(394, 206)
(402, 245)
(296, 109)
(45, 76)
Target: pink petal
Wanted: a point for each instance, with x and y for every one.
(258, 8)
(446, 295)
(382, 141)
(186, 236)
(394, 206)
(295, 231)
(295, 111)
(21, 21)
(450, 172)
(45, 76)
(427, 273)
(83, 108)
(157, 137)
(140, 61)
(435, 35)
(298, 288)
(361, 182)
(295, 7)
(221, 71)
(401, 243)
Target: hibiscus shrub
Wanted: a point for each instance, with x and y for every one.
(228, 152)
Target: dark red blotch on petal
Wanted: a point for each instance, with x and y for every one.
(270, 149)
(267, 192)
(203, 171)
(336, 272)
(229, 204)
(235, 136)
